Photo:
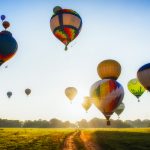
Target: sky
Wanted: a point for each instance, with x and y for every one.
(112, 29)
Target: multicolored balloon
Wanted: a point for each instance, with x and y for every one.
(109, 69)
(65, 24)
(9, 94)
(8, 46)
(87, 103)
(143, 75)
(71, 92)
(27, 91)
(120, 109)
(107, 95)
(136, 88)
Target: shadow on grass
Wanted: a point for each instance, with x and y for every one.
(113, 140)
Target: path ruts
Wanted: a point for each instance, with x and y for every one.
(69, 142)
(88, 143)
(86, 138)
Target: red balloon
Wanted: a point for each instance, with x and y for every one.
(6, 24)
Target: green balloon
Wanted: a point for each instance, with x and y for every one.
(135, 87)
(56, 9)
(120, 109)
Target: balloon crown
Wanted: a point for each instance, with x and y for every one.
(59, 10)
(5, 23)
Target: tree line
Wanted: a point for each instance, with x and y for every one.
(56, 123)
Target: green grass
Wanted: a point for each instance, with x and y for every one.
(53, 139)
(121, 139)
(33, 139)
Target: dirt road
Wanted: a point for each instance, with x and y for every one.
(86, 140)
(69, 143)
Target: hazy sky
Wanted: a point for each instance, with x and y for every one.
(112, 29)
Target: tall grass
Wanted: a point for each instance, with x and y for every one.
(33, 139)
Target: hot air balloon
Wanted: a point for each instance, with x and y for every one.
(120, 109)
(27, 91)
(71, 92)
(87, 103)
(109, 69)
(65, 24)
(3, 17)
(8, 45)
(6, 24)
(107, 95)
(136, 88)
(143, 75)
(9, 94)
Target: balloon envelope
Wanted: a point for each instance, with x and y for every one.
(8, 46)
(109, 69)
(87, 103)
(135, 87)
(71, 92)
(143, 75)
(3, 17)
(9, 94)
(65, 24)
(120, 109)
(27, 91)
(6, 24)
(107, 94)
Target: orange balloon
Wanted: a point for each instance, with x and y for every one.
(109, 69)
(6, 24)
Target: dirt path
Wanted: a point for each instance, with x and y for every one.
(89, 145)
(69, 143)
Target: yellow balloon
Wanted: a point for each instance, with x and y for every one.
(109, 69)
(71, 92)
(136, 88)
(87, 103)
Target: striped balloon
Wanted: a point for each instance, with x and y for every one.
(107, 94)
(65, 24)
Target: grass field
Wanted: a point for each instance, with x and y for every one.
(121, 139)
(53, 139)
(33, 139)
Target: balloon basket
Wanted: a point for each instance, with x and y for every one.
(66, 48)
(108, 123)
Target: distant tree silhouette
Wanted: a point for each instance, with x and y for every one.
(83, 124)
(10, 123)
(56, 123)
